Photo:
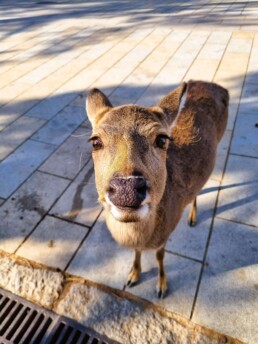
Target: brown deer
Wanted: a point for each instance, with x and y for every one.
(151, 162)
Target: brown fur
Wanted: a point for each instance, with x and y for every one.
(174, 175)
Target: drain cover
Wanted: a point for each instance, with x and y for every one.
(22, 322)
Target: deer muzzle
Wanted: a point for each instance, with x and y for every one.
(127, 192)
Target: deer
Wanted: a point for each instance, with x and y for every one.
(151, 162)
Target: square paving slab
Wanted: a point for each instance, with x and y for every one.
(79, 203)
(21, 213)
(238, 199)
(53, 243)
(228, 295)
(191, 241)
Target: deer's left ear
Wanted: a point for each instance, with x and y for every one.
(171, 103)
(96, 105)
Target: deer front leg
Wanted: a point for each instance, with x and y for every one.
(192, 217)
(162, 279)
(134, 274)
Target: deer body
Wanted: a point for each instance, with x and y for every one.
(151, 162)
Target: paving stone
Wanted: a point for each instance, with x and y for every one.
(38, 285)
(179, 64)
(1, 201)
(245, 138)
(222, 153)
(191, 241)
(20, 213)
(242, 45)
(248, 103)
(60, 127)
(17, 133)
(79, 203)
(238, 199)
(71, 156)
(218, 37)
(11, 111)
(129, 320)
(135, 84)
(49, 107)
(19, 165)
(182, 275)
(53, 242)
(101, 259)
(227, 299)
(232, 113)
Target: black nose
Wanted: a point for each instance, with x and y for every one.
(127, 192)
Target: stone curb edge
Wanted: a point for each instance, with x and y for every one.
(114, 313)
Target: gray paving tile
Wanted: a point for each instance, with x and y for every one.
(101, 259)
(222, 153)
(238, 199)
(79, 203)
(53, 242)
(245, 138)
(13, 110)
(71, 156)
(249, 103)
(60, 127)
(49, 107)
(191, 241)
(16, 133)
(20, 213)
(182, 275)
(228, 296)
(1, 201)
(18, 166)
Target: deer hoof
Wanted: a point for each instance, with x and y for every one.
(161, 293)
(133, 278)
(192, 222)
(162, 288)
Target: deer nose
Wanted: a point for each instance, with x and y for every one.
(127, 192)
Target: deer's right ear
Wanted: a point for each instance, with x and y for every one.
(96, 105)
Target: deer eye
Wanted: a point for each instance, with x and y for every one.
(161, 141)
(96, 143)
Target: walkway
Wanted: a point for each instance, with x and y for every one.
(51, 53)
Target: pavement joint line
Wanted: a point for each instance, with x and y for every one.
(244, 156)
(218, 193)
(184, 256)
(68, 220)
(55, 175)
(235, 221)
(91, 228)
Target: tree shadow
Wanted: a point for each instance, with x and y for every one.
(26, 15)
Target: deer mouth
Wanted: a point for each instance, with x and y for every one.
(128, 213)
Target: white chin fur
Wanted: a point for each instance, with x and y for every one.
(118, 214)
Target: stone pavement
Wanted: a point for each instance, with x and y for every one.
(51, 53)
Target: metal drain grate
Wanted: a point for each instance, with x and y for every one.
(22, 322)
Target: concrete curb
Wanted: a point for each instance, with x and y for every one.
(117, 314)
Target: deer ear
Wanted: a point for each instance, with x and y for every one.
(171, 103)
(96, 105)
